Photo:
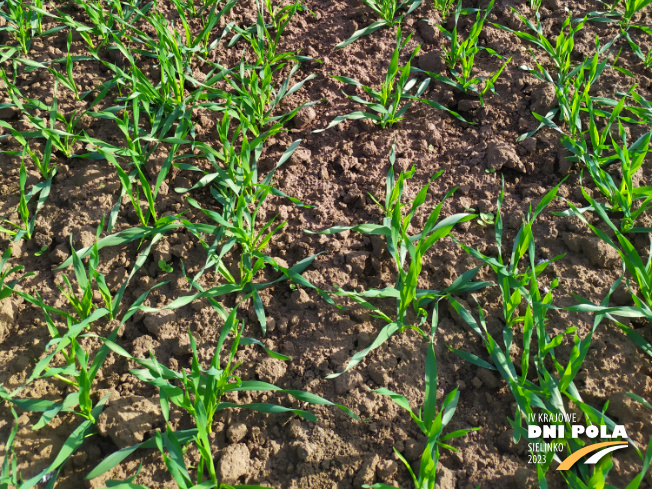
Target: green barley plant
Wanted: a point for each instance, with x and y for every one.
(9, 470)
(264, 38)
(639, 269)
(407, 252)
(646, 58)
(100, 18)
(210, 18)
(254, 98)
(26, 226)
(108, 20)
(129, 11)
(81, 297)
(388, 11)
(60, 139)
(66, 79)
(79, 372)
(173, 61)
(42, 163)
(388, 105)
(572, 82)
(546, 394)
(40, 191)
(642, 110)
(601, 311)
(460, 57)
(393, 99)
(623, 12)
(87, 278)
(559, 52)
(637, 311)
(76, 438)
(6, 288)
(572, 92)
(188, 6)
(55, 139)
(240, 194)
(632, 7)
(443, 7)
(167, 95)
(83, 305)
(150, 234)
(140, 146)
(48, 128)
(514, 283)
(431, 422)
(200, 392)
(535, 5)
(647, 460)
(22, 22)
(606, 151)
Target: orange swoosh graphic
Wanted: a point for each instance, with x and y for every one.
(570, 461)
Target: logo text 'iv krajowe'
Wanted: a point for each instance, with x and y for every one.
(552, 426)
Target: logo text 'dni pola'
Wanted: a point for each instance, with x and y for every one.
(552, 427)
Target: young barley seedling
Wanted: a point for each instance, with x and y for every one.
(388, 11)
(200, 392)
(547, 393)
(560, 52)
(460, 57)
(535, 5)
(639, 269)
(632, 8)
(640, 310)
(443, 7)
(240, 194)
(79, 372)
(9, 476)
(6, 288)
(86, 277)
(256, 95)
(388, 105)
(164, 97)
(622, 12)
(606, 151)
(407, 252)
(430, 422)
(572, 83)
(514, 283)
(26, 227)
(198, 44)
(140, 146)
(22, 22)
(264, 38)
(46, 128)
(638, 50)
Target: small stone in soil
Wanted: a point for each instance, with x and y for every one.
(234, 463)
(236, 432)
